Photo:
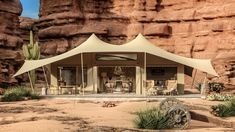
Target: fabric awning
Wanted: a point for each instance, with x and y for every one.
(139, 44)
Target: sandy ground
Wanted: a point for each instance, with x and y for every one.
(60, 115)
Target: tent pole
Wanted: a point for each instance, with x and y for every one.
(31, 83)
(76, 81)
(203, 88)
(145, 75)
(194, 76)
(82, 74)
(44, 72)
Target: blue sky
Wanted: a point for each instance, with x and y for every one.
(30, 8)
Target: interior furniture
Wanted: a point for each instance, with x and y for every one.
(118, 86)
(109, 86)
(68, 89)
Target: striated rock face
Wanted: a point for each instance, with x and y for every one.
(27, 24)
(225, 66)
(191, 28)
(10, 41)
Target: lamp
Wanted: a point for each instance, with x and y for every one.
(118, 70)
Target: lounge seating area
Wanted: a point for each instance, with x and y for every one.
(117, 79)
(118, 86)
(63, 89)
(169, 88)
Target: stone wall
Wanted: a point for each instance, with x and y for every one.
(10, 41)
(191, 28)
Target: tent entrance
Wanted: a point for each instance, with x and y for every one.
(69, 79)
(116, 79)
(160, 75)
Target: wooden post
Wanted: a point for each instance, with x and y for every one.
(76, 88)
(145, 71)
(31, 83)
(194, 76)
(203, 88)
(82, 74)
(44, 72)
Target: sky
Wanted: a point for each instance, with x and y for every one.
(30, 8)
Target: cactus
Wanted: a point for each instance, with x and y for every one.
(31, 51)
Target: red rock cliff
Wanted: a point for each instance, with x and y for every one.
(191, 28)
(10, 41)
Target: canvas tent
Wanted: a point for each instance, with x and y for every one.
(139, 44)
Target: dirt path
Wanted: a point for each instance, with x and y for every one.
(68, 115)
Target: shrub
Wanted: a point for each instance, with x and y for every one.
(219, 97)
(152, 119)
(4, 85)
(224, 110)
(35, 96)
(2, 91)
(18, 94)
(216, 87)
(198, 86)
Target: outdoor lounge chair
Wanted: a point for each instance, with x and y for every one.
(171, 88)
(149, 86)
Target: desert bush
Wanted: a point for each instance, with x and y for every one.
(18, 94)
(34, 96)
(152, 118)
(219, 97)
(198, 86)
(216, 87)
(224, 110)
(4, 85)
(2, 91)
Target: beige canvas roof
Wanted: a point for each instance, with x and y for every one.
(139, 44)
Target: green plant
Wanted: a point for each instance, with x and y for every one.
(216, 87)
(31, 51)
(198, 86)
(35, 96)
(219, 97)
(152, 118)
(18, 94)
(224, 110)
(2, 91)
(4, 85)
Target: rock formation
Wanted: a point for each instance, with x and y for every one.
(10, 41)
(191, 28)
(27, 24)
(225, 66)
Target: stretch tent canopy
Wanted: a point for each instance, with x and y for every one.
(139, 44)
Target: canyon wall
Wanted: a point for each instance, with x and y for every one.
(10, 40)
(192, 28)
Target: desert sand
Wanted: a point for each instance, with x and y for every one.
(61, 115)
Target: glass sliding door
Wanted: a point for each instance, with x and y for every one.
(116, 79)
(70, 79)
(161, 74)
